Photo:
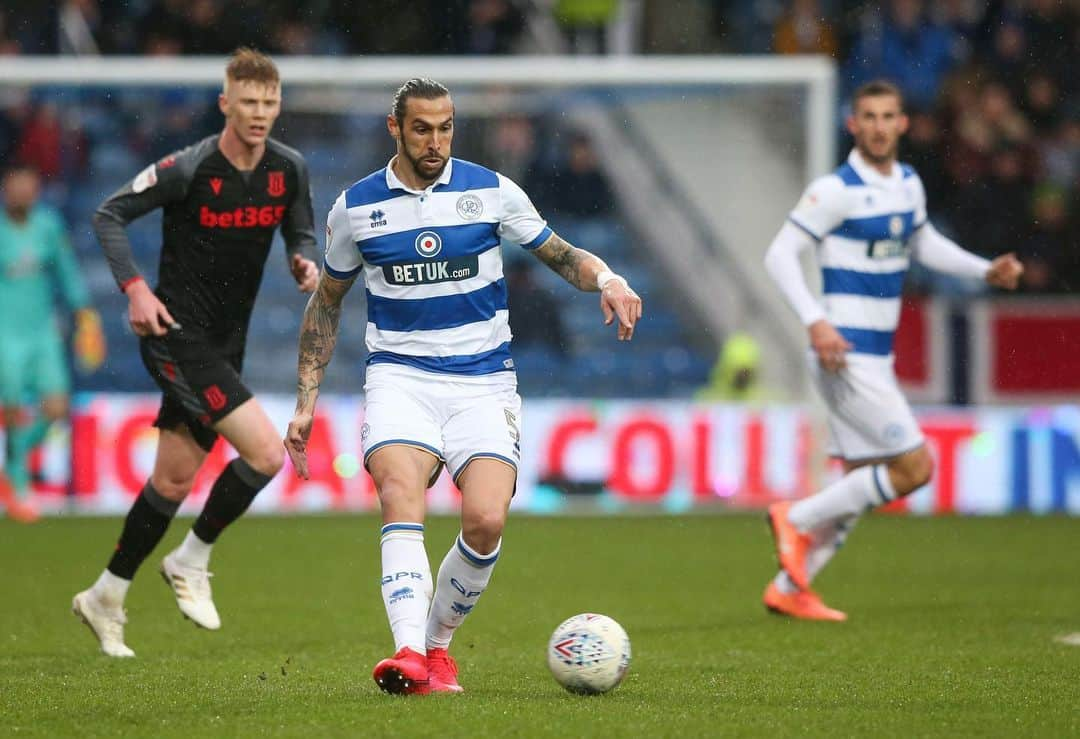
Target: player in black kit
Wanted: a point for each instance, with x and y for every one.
(222, 199)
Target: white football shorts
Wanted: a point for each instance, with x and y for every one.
(869, 417)
(456, 418)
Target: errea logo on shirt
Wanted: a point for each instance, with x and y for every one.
(378, 218)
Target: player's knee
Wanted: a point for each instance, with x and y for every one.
(399, 484)
(172, 487)
(267, 459)
(483, 530)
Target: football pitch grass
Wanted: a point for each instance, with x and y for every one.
(952, 632)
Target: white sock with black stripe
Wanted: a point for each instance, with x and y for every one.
(852, 495)
(463, 577)
(406, 583)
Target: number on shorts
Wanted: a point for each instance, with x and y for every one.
(511, 421)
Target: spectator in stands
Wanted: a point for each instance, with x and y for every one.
(736, 376)
(41, 142)
(575, 187)
(585, 23)
(922, 150)
(487, 27)
(1060, 154)
(1050, 246)
(535, 315)
(512, 146)
(903, 46)
(804, 29)
(1042, 102)
(78, 22)
(9, 45)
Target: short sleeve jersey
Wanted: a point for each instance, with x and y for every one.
(432, 265)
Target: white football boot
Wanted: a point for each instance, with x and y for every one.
(107, 623)
(191, 586)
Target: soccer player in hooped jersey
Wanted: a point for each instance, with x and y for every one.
(440, 386)
(867, 219)
(222, 199)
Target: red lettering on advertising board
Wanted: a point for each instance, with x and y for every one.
(320, 455)
(130, 429)
(559, 441)
(628, 440)
(946, 438)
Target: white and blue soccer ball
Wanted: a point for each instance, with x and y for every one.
(589, 654)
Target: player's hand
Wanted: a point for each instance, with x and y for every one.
(147, 315)
(296, 438)
(89, 340)
(829, 345)
(304, 272)
(1005, 272)
(617, 299)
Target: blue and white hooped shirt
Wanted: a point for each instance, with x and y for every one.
(863, 222)
(432, 265)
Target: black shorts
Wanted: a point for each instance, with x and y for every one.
(200, 385)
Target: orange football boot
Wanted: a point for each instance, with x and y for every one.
(804, 604)
(405, 673)
(17, 510)
(442, 671)
(791, 544)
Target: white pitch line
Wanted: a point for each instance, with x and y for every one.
(1073, 640)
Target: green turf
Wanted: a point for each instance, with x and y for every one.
(951, 633)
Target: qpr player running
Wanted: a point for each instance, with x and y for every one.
(866, 220)
(440, 389)
(222, 199)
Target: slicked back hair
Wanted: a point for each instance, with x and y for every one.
(417, 87)
(876, 88)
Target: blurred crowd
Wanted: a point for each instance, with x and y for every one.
(992, 86)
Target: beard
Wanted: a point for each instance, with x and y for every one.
(421, 170)
(870, 156)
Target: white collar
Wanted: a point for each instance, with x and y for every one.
(393, 182)
(869, 174)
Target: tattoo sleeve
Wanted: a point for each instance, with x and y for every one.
(576, 266)
(318, 336)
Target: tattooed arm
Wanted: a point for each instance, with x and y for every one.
(318, 336)
(588, 272)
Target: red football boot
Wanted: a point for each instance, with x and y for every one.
(442, 670)
(405, 673)
(805, 604)
(791, 544)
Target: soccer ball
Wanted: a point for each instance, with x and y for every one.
(589, 654)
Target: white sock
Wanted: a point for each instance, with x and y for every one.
(111, 589)
(406, 583)
(852, 495)
(827, 542)
(194, 552)
(463, 577)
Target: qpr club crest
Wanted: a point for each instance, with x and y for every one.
(896, 226)
(470, 207)
(428, 244)
(275, 186)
